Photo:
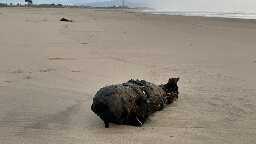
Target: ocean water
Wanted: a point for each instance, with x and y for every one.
(239, 15)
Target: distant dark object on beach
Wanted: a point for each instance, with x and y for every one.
(66, 20)
(132, 102)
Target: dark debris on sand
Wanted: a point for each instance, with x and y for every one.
(66, 20)
(132, 102)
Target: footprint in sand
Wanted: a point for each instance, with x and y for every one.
(60, 58)
(60, 119)
(17, 71)
(7, 81)
(84, 43)
(28, 77)
(47, 70)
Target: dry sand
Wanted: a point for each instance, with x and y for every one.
(50, 70)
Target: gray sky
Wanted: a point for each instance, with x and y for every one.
(179, 5)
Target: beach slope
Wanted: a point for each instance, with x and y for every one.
(50, 71)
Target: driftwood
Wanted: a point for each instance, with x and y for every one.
(66, 20)
(132, 102)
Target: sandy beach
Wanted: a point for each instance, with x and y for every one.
(50, 71)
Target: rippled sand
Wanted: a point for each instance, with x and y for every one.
(50, 70)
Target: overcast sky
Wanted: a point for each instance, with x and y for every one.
(178, 5)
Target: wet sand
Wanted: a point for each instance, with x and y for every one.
(50, 70)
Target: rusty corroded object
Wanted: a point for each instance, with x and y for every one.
(132, 102)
